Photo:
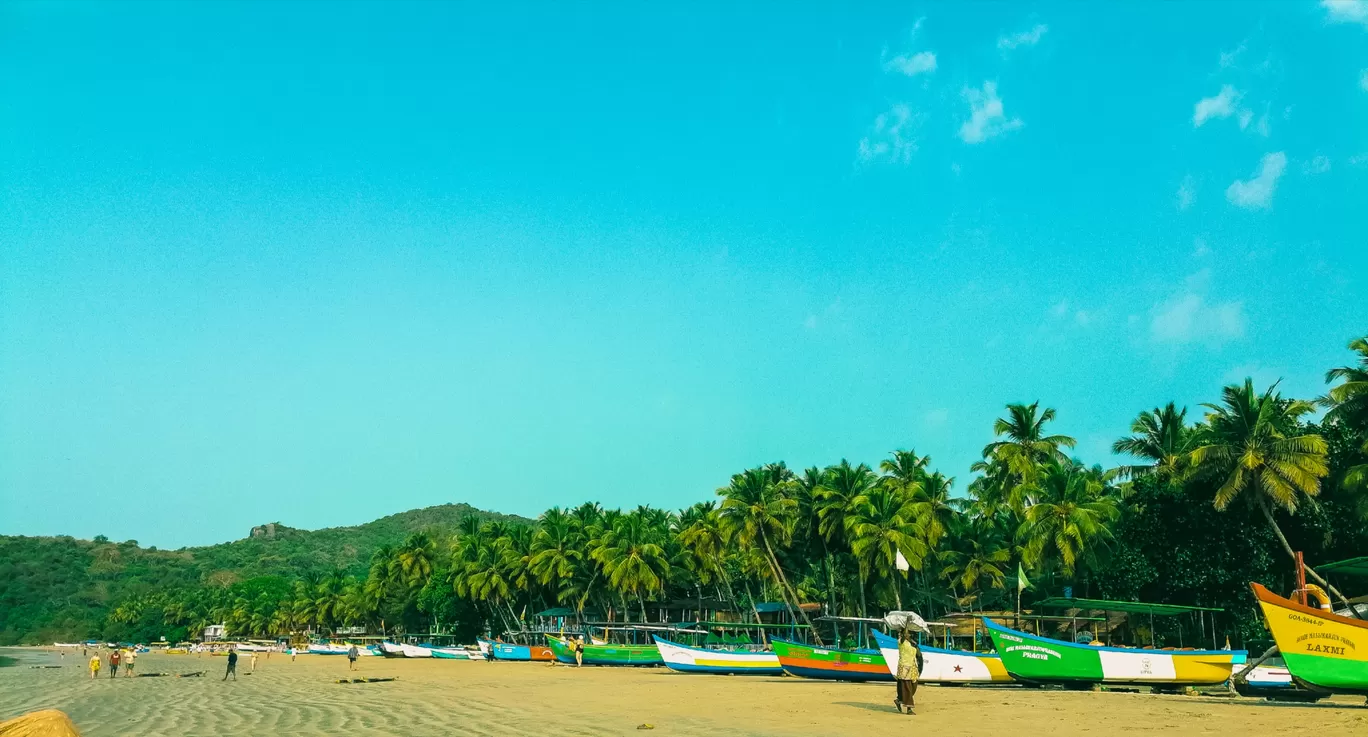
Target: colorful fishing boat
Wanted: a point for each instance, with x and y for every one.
(686, 659)
(947, 666)
(1321, 648)
(809, 661)
(1036, 659)
(511, 651)
(606, 654)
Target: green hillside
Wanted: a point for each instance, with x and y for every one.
(60, 587)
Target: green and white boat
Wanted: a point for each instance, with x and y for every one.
(1036, 659)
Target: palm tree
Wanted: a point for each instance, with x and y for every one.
(1253, 443)
(414, 560)
(633, 557)
(1071, 518)
(980, 552)
(1023, 450)
(557, 552)
(1348, 403)
(1162, 438)
(904, 468)
(756, 510)
(881, 524)
(934, 506)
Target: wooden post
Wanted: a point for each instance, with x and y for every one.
(1301, 579)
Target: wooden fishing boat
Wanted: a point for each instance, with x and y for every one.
(810, 661)
(415, 651)
(448, 653)
(391, 650)
(1321, 648)
(686, 659)
(606, 654)
(947, 666)
(511, 651)
(1036, 659)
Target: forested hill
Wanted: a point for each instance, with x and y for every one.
(54, 587)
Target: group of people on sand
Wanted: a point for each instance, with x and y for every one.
(117, 657)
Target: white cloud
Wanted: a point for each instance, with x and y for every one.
(1258, 192)
(986, 116)
(1025, 38)
(1358, 159)
(890, 138)
(1187, 318)
(1317, 165)
(912, 64)
(1220, 106)
(1187, 192)
(1346, 11)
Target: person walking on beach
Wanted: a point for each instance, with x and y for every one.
(232, 664)
(128, 658)
(579, 652)
(114, 662)
(293, 652)
(909, 670)
(253, 663)
(94, 666)
(352, 655)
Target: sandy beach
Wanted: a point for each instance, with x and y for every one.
(435, 697)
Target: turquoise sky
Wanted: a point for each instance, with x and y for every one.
(318, 264)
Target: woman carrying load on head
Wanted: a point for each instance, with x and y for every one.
(909, 670)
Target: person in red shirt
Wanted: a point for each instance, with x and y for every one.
(114, 662)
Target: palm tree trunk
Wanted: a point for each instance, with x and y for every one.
(1273, 523)
(783, 581)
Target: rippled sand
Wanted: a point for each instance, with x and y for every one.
(434, 697)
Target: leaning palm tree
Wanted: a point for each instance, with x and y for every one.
(1071, 518)
(756, 511)
(881, 524)
(1162, 439)
(1253, 444)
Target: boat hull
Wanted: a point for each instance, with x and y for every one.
(1037, 659)
(807, 661)
(947, 666)
(507, 651)
(606, 654)
(686, 659)
(1321, 650)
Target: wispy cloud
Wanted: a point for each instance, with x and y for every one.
(1187, 192)
(1228, 58)
(911, 65)
(1188, 318)
(1009, 42)
(1346, 11)
(890, 138)
(1363, 80)
(1258, 192)
(1222, 105)
(936, 417)
(986, 115)
(1317, 165)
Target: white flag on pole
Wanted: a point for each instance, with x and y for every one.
(901, 563)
